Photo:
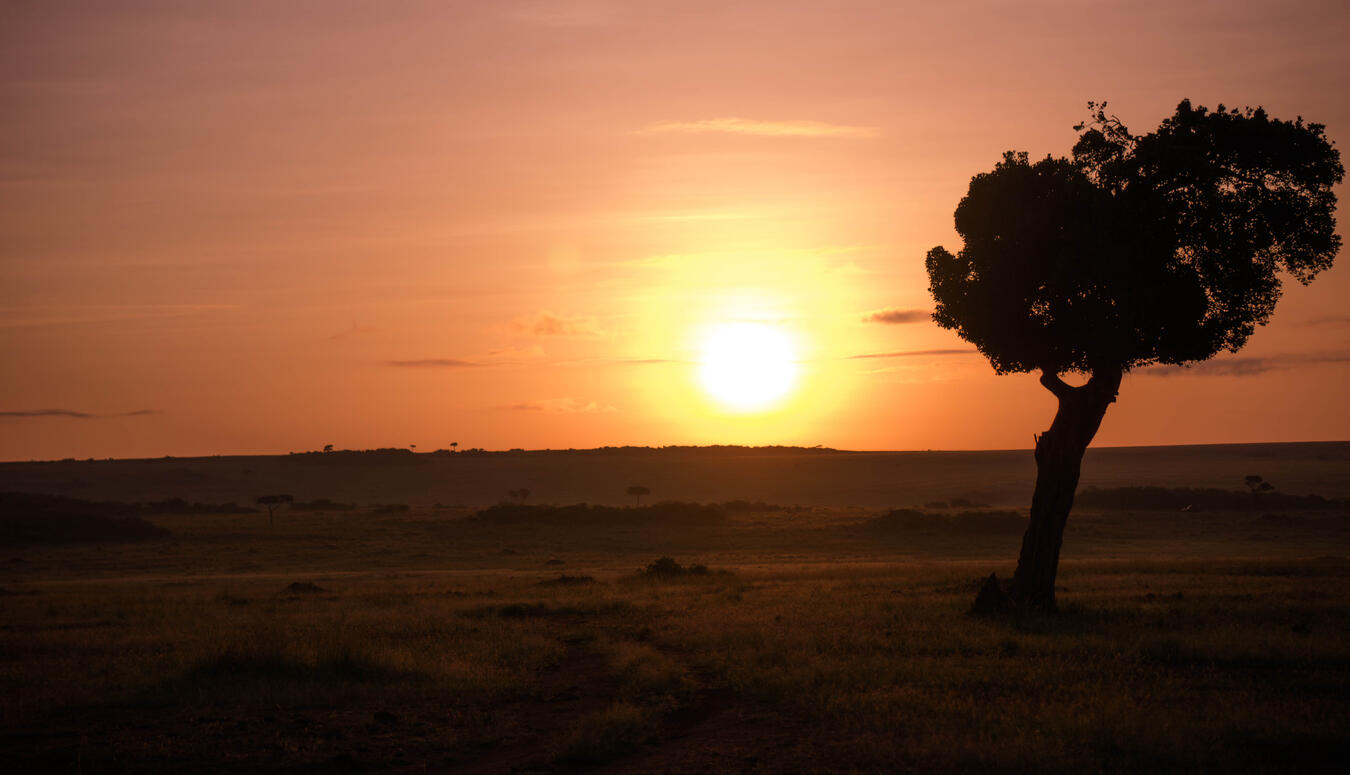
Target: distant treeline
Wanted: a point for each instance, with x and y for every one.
(26, 518)
(1180, 498)
(402, 456)
(667, 512)
(913, 521)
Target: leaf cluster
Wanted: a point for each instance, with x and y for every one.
(1166, 247)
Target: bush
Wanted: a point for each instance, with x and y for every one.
(744, 506)
(1179, 498)
(54, 519)
(322, 504)
(666, 567)
(669, 512)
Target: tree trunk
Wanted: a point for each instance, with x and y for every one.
(1059, 457)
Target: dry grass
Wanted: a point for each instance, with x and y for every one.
(413, 640)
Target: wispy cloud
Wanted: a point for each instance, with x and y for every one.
(434, 363)
(913, 353)
(560, 406)
(1328, 320)
(893, 316)
(71, 413)
(516, 357)
(1240, 366)
(550, 324)
(747, 126)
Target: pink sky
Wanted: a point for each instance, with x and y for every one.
(261, 227)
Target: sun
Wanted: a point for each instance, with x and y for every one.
(747, 367)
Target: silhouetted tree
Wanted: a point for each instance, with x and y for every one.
(1139, 249)
(1257, 485)
(639, 491)
(522, 494)
(328, 448)
(454, 445)
(271, 502)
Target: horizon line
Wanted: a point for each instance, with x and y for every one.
(819, 449)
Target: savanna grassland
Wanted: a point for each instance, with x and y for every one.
(797, 639)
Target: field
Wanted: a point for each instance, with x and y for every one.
(819, 637)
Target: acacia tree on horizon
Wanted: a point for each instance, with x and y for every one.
(1162, 248)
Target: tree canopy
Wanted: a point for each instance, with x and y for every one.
(1167, 247)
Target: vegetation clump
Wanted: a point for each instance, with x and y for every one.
(53, 519)
(1208, 499)
(667, 567)
(568, 581)
(669, 512)
(321, 505)
(751, 507)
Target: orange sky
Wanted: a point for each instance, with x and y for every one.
(263, 227)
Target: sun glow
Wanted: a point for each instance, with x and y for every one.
(747, 367)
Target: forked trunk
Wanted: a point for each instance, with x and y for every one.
(1059, 457)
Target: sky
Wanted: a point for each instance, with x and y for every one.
(262, 227)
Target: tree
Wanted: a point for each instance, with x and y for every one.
(271, 502)
(639, 491)
(1257, 485)
(1162, 248)
(328, 448)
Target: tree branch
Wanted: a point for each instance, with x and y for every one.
(1050, 379)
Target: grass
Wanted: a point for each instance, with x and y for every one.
(411, 640)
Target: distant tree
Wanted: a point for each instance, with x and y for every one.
(639, 491)
(271, 502)
(1257, 485)
(522, 494)
(328, 448)
(454, 445)
(1139, 249)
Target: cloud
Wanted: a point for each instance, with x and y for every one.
(893, 316)
(1328, 320)
(73, 414)
(434, 363)
(1240, 366)
(913, 353)
(355, 330)
(746, 126)
(515, 357)
(550, 324)
(560, 406)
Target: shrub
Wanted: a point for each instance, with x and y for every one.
(1179, 498)
(668, 512)
(667, 567)
(53, 519)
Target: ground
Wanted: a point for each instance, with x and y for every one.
(817, 641)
